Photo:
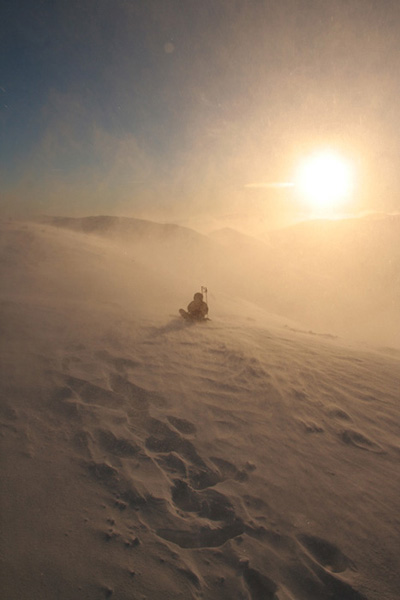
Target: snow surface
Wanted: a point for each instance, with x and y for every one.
(249, 457)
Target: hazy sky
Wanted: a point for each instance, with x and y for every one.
(169, 108)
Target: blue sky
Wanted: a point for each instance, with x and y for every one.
(170, 108)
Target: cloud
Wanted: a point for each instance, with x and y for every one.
(78, 166)
(273, 184)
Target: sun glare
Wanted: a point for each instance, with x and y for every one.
(325, 181)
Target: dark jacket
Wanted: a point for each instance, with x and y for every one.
(198, 309)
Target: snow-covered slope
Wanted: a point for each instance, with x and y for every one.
(341, 276)
(145, 457)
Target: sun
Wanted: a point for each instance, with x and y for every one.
(325, 181)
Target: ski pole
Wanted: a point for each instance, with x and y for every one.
(204, 291)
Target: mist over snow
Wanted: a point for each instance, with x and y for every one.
(253, 456)
(340, 277)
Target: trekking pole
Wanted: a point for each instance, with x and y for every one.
(204, 291)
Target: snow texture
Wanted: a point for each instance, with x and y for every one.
(252, 457)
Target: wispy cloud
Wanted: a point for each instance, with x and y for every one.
(272, 184)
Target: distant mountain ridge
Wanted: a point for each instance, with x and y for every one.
(127, 226)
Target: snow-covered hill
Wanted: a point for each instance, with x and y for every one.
(342, 276)
(245, 458)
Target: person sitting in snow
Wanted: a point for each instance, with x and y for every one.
(197, 310)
